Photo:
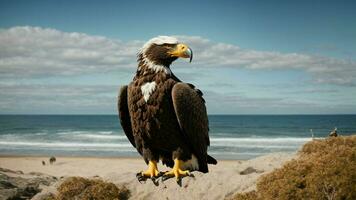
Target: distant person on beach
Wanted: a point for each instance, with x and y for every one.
(52, 160)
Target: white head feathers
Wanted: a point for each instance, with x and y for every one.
(158, 41)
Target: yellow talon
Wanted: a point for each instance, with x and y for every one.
(176, 171)
(152, 170)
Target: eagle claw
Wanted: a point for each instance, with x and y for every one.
(179, 181)
(190, 174)
(165, 177)
(140, 177)
(155, 181)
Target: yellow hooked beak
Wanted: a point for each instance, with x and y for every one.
(182, 51)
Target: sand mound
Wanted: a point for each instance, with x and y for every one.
(325, 169)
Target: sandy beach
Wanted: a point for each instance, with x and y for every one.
(223, 181)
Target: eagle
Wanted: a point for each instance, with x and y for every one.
(164, 118)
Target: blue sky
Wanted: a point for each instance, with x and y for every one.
(252, 57)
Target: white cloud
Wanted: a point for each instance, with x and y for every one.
(323, 69)
(40, 98)
(33, 51)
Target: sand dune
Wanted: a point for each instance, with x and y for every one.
(223, 180)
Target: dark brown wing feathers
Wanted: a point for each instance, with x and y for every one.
(124, 114)
(192, 117)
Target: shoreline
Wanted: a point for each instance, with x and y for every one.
(110, 157)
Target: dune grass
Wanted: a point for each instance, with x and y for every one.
(87, 189)
(325, 169)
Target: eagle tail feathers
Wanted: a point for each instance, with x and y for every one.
(211, 160)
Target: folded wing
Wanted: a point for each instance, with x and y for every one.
(190, 110)
(124, 114)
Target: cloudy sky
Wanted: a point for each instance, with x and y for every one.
(250, 57)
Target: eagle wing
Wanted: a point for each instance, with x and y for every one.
(190, 110)
(124, 115)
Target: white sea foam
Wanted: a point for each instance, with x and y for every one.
(69, 132)
(84, 132)
(82, 142)
(290, 143)
(262, 140)
(41, 133)
(257, 146)
(97, 136)
(106, 132)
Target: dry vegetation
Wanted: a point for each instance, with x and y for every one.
(87, 189)
(246, 196)
(325, 169)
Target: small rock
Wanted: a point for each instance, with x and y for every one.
(36, 173)
(15, 186)
(250, 170)
(10, 171)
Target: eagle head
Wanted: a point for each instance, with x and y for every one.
(159, 52)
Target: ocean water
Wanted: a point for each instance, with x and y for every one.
(231, 136)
